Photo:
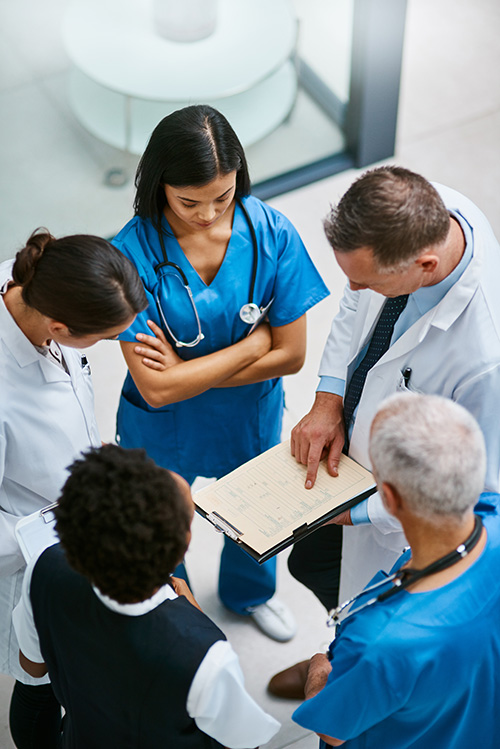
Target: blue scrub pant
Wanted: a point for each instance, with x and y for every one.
(243, 582)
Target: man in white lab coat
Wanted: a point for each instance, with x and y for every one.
(396, 237)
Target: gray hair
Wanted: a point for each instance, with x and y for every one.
(431, 450)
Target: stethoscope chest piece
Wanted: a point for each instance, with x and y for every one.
(250, 313)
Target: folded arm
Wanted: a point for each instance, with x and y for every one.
(286, 356)
(162, 377)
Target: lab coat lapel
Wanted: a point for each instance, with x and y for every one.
(81, 381)
(51, 371)
(442, 316)
(374, 304)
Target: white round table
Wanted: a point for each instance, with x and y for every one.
(126, 77)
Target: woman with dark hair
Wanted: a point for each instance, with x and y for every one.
(59, 295)
(204, 392)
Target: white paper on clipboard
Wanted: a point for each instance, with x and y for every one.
(262, 315)
(37, 532)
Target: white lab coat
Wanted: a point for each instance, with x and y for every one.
(453, 350)
(46, 420)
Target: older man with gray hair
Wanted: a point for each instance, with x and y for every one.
(416, 662)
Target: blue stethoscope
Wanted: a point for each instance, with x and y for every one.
(250, 312)
(403, 578)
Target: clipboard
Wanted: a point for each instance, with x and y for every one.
(264, 507)
(36, 532)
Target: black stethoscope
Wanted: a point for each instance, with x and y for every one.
(250, 312)
(403, 578)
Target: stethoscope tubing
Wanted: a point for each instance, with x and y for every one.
(403, 578)
(166, 262)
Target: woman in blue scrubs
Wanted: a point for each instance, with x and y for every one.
(204, 392)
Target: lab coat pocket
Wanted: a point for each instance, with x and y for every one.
(270, 415)
(154, 430)
(405, 383)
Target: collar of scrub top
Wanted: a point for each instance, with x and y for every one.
(403, 578)
(250, 313)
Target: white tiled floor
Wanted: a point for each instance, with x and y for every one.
(449, 130)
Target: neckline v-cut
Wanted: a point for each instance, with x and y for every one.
(190, 266)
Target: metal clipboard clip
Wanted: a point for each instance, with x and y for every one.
(223, 526)
(47, 513)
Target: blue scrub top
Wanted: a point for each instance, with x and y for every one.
(216, 431)
(419, 670)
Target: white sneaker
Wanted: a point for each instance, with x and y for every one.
(274, 619)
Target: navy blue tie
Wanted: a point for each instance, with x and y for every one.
(379, 344)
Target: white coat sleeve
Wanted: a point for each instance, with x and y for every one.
(380, 518)
(220, 705)
(23, 620)
(11, 558)
(475, 395)
(478, 395)
(336, 353)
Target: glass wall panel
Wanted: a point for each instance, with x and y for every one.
(313, 130)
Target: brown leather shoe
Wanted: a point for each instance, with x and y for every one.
(290, 683)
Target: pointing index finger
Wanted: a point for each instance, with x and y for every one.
(313, 460)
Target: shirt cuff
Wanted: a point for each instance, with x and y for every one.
(220, 705)
(359, 513)
(384, 522)
(333, 385)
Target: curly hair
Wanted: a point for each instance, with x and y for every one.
(392, 210)
(123, 522)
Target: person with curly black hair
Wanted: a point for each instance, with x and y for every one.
(131, 656)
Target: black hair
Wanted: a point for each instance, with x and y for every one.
(123, 522)
(188, 148)
(391, 210)
(81, 281)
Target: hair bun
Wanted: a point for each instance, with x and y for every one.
(27, 259)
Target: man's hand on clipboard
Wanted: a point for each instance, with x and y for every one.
(318, 435)
(343, 519)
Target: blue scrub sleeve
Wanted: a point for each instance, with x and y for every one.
(362, 690)
(140, 324)
(488, 504)
(298, 285)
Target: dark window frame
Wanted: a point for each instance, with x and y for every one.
(370, 117)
